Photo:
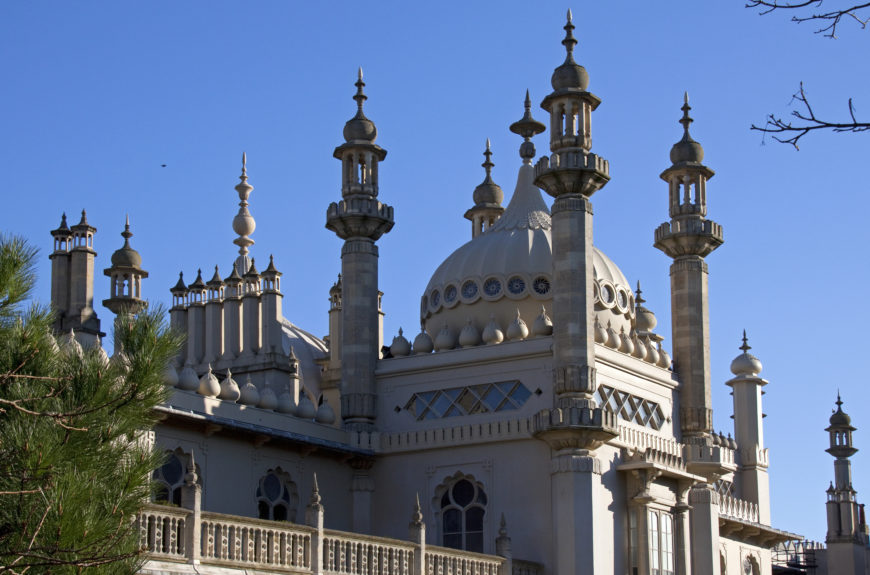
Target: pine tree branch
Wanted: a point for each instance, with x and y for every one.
(808, 122)
(828, 21)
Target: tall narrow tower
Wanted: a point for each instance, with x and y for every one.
(688, 238)
(575, 426)
(125, 283)
(487, 199)
(847, 536)
(360, 220)
(60, 273)
(80, 314)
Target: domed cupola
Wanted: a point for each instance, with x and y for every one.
(570, 75)
(687, 150)
(488, 197)
(359, 128)
(509, 267)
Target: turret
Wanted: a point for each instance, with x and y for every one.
(575, 426)
(60, 272)
(214, 318)
(847, 535)
(746, 386)
(233, 290)
(80, 314)
(487, 199)
(196, 298)
(360, 220)
(688, 238)
(125, 282)
(272, 313)
(178, 315)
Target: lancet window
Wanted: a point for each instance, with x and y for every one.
(277, 497)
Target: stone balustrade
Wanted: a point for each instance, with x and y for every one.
(735, 508)
(642, 440)
(244, 543)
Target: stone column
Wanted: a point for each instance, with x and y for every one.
(705, 530)
(314, 513)
(191, 499)
(682, 532)
(362, 487)
(417, 535)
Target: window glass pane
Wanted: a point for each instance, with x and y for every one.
(653, 543)
(279, 512)
(520, 394)
(176, 496)
(442, 404)
(445, 499)
(453, 541)
(172, 470)
(474, 519)
(474, 542)
(492, 398)
(463, 492)
(161, 495)
(481, 497)
(263, 510)
(667, 544)
(272, 487)
(452, 521)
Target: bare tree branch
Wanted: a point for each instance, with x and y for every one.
(808, 122)
(827, 21)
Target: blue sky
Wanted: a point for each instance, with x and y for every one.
(97, 95)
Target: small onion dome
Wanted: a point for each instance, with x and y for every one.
(325, 414)
(488, 193)
(518, 329)
(285, 402)
(209, 385)
(71, 345)
(400, 346)
(229, 388)
(543, 324)
(664, 359)
(469, 336)
(570, 75)
(249, 394)
(687, 150)
(625, 343)
(645, 319)
(306, 409)
(423, 343)
(612, 337)
(187, 379)
(600, 332)
(336, 287)
(840, 417)
(170, 376)
(652, 352)
(126, 257)
(359, 127)
(445, 339)
(745, 363)
(639, 347)
(268, 399)
(732, 443)
(492, 333)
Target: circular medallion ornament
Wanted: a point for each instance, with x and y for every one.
(450, 294)
(469, 289)
(541, 285)
(436, 298)
(516, 285)
(492, 287)
(607, 294)
(621, 299)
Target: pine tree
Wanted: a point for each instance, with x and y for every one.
(74, 456)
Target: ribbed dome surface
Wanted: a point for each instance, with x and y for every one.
(307, 349)
(509, 267)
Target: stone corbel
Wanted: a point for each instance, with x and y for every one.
(645, 478)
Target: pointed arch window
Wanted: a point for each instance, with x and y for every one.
(277, 496)
(463, 507)
(169, 478)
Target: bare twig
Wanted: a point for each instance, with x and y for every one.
(827, 21)
(809, 122)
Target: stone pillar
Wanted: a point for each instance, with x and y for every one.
(60, 273)
(271, 308)
(503, 548)
(362, 487)
(195, 332)
(191, 499)
(705, 530)
(314, 518)
(682, 531)
(80, 314)
(178, 316)
(583, 543)
(417, 535)
(233, 317)
(251, 321)
(214, 320)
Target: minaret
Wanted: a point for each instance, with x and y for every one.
(847, 535)
(196, 298)
(575, 426)
(271, 310)
(214, 319)
(754, 483)
(125, 283)
(243, 223)
(688, 238)
(60, 273)
(80, 315)
(487, 199)
(178, 316)
(360, 220)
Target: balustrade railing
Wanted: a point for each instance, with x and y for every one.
(352, 554)
(443, 561)
(738, 508)
(238, 541)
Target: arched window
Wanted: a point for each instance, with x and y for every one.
(277, 497)
(169, 477)
(463, 506)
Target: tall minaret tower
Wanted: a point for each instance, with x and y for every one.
(746, 386)
(125, 283)
(576, 426)
(688, 238)
(487, 200)
(847, 535)
(60, 263)
(360, 220)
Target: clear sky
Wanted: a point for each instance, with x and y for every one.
(97, 96)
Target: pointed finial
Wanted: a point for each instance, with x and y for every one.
(745, 347)
(417, 515)
(527, 127)
(839, 401)
(360, 97)
(487, 164)
(315, 492)
(84, 220)
(244, 164)
(127, 234)
(191, 477)
(638, 298)
(400, 332)
(569, 42)
(686, 119)
(528, 102)
(502, 524)
(63, 219)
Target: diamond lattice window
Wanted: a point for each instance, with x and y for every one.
(630, 407)
(469, 400)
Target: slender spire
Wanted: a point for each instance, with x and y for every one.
(487, 164)
(686, 120)
(638, 298)
(243, 223)
(360, 97)
(527, 127)
(569, 42)
(745, 347)
(127, 234)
